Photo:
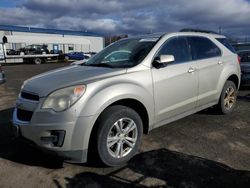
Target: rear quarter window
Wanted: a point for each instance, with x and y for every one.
(203, 48)
(225, 42)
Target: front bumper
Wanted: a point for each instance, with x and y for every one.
(76, 135)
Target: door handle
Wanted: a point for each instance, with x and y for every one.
(191, 70)
(220, 62)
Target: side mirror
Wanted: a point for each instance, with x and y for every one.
(163, 60)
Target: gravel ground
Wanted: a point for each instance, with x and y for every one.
(201, 150)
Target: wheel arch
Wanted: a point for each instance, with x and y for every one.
(234, 78)
(225, 76)
(139, 108)
(135, 105)
(230, 72)
(129, 102)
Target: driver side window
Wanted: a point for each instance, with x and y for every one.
(178, 47)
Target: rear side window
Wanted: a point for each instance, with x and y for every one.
(203, 48)
(225, 42)
(178, 47)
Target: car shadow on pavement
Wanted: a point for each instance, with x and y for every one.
(245, 93)
(244, 97)
(14, 150)
(172, 168)
(209, 111)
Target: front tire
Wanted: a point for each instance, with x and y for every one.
(228, 98)
(119, 135)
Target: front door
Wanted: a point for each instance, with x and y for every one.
(175, 85)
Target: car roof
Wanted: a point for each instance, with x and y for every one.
(162, 34)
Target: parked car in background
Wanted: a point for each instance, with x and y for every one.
(2, 75)
(13, 52)
(89, 54)
(35, 49)
(245, 67)
(75, 56)
(61, 55)
(103, 107)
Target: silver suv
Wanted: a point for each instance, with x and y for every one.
(104, 106)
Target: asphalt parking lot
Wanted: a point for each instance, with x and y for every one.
(201, 150)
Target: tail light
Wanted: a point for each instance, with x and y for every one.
(239, 59)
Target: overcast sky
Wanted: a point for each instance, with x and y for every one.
(129, 16)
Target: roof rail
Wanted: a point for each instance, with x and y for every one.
(197, 30)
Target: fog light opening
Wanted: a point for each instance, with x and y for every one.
(56, 138)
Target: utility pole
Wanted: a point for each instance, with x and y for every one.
(220, 30)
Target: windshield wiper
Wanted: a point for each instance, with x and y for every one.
(99, 65)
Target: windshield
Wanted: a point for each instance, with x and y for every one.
(124, 53)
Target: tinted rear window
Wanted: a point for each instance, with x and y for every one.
(225, 42)
(203, 48)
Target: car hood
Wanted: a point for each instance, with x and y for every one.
(44, 84)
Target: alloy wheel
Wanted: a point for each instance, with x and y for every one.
(122, 137)
(230, 98)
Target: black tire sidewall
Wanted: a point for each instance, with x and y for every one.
(107, 119)
(223, 93)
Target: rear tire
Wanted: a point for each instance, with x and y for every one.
(119, 135)
(228, 98)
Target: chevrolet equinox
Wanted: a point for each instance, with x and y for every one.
(104, 106)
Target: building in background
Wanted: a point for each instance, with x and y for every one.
(56, 40)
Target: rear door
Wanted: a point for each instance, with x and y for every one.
(210, 65)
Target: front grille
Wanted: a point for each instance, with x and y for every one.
(24, 115)
(29, 96)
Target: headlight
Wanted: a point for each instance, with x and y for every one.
(63, 99)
